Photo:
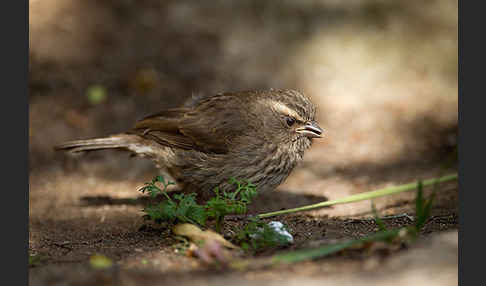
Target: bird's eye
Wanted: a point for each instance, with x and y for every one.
(290, 121)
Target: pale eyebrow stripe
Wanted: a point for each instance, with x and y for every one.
(284, 109)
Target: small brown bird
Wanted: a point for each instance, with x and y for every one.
(255, 135)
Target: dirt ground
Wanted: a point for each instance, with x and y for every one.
(382, 73)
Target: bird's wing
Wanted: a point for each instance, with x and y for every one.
(163, 128)
(216, 123)
(210, 126)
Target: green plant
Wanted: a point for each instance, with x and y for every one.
(100, 261)
(378, 220)
(184, 208)
(225, 203)
(153, 190)
(364, 196)
(257, 234)
(34, 260)
(422, 208)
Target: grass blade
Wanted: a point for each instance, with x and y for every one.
(364, 196)
(308, 254)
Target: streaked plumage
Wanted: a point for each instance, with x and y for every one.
(254, 135)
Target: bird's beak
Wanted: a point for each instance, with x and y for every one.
(311, 129)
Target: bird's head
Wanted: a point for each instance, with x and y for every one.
(289, 118)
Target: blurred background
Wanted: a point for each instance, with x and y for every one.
(382, 73)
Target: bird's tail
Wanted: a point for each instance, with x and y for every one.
(161, 155)
(119, 141)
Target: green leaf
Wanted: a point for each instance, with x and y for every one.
(423, 207)
(259, 235)
(96, 94)
(184, 207)
(308, 254)
(198, 214)
(378, 220)
(34, 260)
(419, 201)
(100, 261)
(159, 179)
(363, 196)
